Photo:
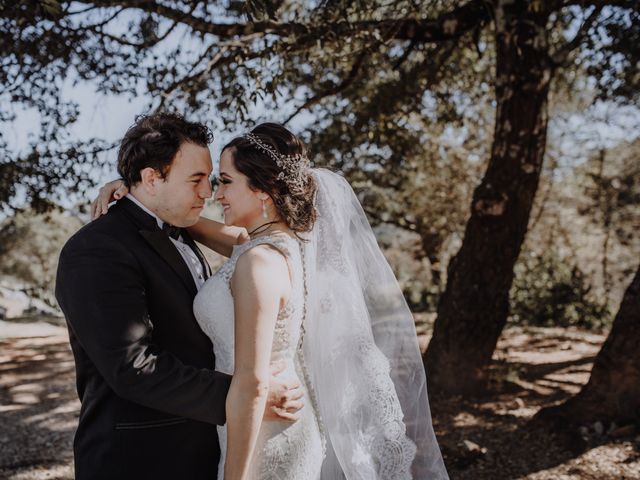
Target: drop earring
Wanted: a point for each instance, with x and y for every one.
(265, 215)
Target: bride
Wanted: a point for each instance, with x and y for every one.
(311, 290)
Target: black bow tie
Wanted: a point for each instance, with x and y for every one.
(171, 231)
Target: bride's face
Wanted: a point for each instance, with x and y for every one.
(241, 205)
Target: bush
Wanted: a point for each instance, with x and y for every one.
(30, 244)
(548, 291)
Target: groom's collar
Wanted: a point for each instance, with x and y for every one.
(147, 223)
(142, 206)
(138, 213)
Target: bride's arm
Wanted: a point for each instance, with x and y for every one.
(217, 236)
(260, 284)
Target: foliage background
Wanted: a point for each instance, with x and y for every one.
(408, 122)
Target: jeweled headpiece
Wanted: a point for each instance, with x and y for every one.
(294, 169)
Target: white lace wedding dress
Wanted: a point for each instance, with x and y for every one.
(283, 450)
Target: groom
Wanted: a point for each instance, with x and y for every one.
(150, 397)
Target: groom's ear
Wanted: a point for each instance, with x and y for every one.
(149, 178)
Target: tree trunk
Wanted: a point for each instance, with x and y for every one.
(613, 390)
(474, 307)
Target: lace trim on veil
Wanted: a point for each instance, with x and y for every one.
(362, 351)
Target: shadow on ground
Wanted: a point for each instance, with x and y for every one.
(481, 439)
(493, 437)
(39, 408)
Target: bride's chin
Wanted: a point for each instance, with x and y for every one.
(228, 221)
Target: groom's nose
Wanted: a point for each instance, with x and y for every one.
(205, 190)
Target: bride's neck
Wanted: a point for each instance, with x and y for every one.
(268, 227)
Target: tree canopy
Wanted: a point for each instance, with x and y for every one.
(380, 78)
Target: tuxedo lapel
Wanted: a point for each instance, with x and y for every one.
(167, 250)
(159, 241)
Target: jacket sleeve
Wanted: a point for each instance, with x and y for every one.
(101, 291)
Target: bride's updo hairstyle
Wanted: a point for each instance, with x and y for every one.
(275, 161)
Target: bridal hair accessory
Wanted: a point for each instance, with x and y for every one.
(294, 168)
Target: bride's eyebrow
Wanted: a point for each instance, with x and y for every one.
(225, 174)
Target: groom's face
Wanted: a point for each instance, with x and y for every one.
(180, 197)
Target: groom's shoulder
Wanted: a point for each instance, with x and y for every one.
(107, 230)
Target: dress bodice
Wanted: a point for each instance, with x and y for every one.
(214, 310)
(284, 451)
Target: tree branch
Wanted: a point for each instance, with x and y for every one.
(601, 3)
(559, 57)
(448, 26)
(123, 41)
(84, 10)
(104, 22)
(164, 96)
(353, 73)
(407, 51)
(220, 58)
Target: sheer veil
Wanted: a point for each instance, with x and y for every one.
(361, 350)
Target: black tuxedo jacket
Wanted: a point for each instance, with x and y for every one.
(145, 371)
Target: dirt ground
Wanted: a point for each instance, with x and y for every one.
(489, 438)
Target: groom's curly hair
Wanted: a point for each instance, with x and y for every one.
(153, 141)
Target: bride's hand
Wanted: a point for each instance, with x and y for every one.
(284, 400)
(109, 192)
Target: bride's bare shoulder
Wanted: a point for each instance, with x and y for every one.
(263, 266)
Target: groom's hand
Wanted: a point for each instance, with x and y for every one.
(285, 397)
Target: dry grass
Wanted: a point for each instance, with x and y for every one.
(488, 438)
(533, 368)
